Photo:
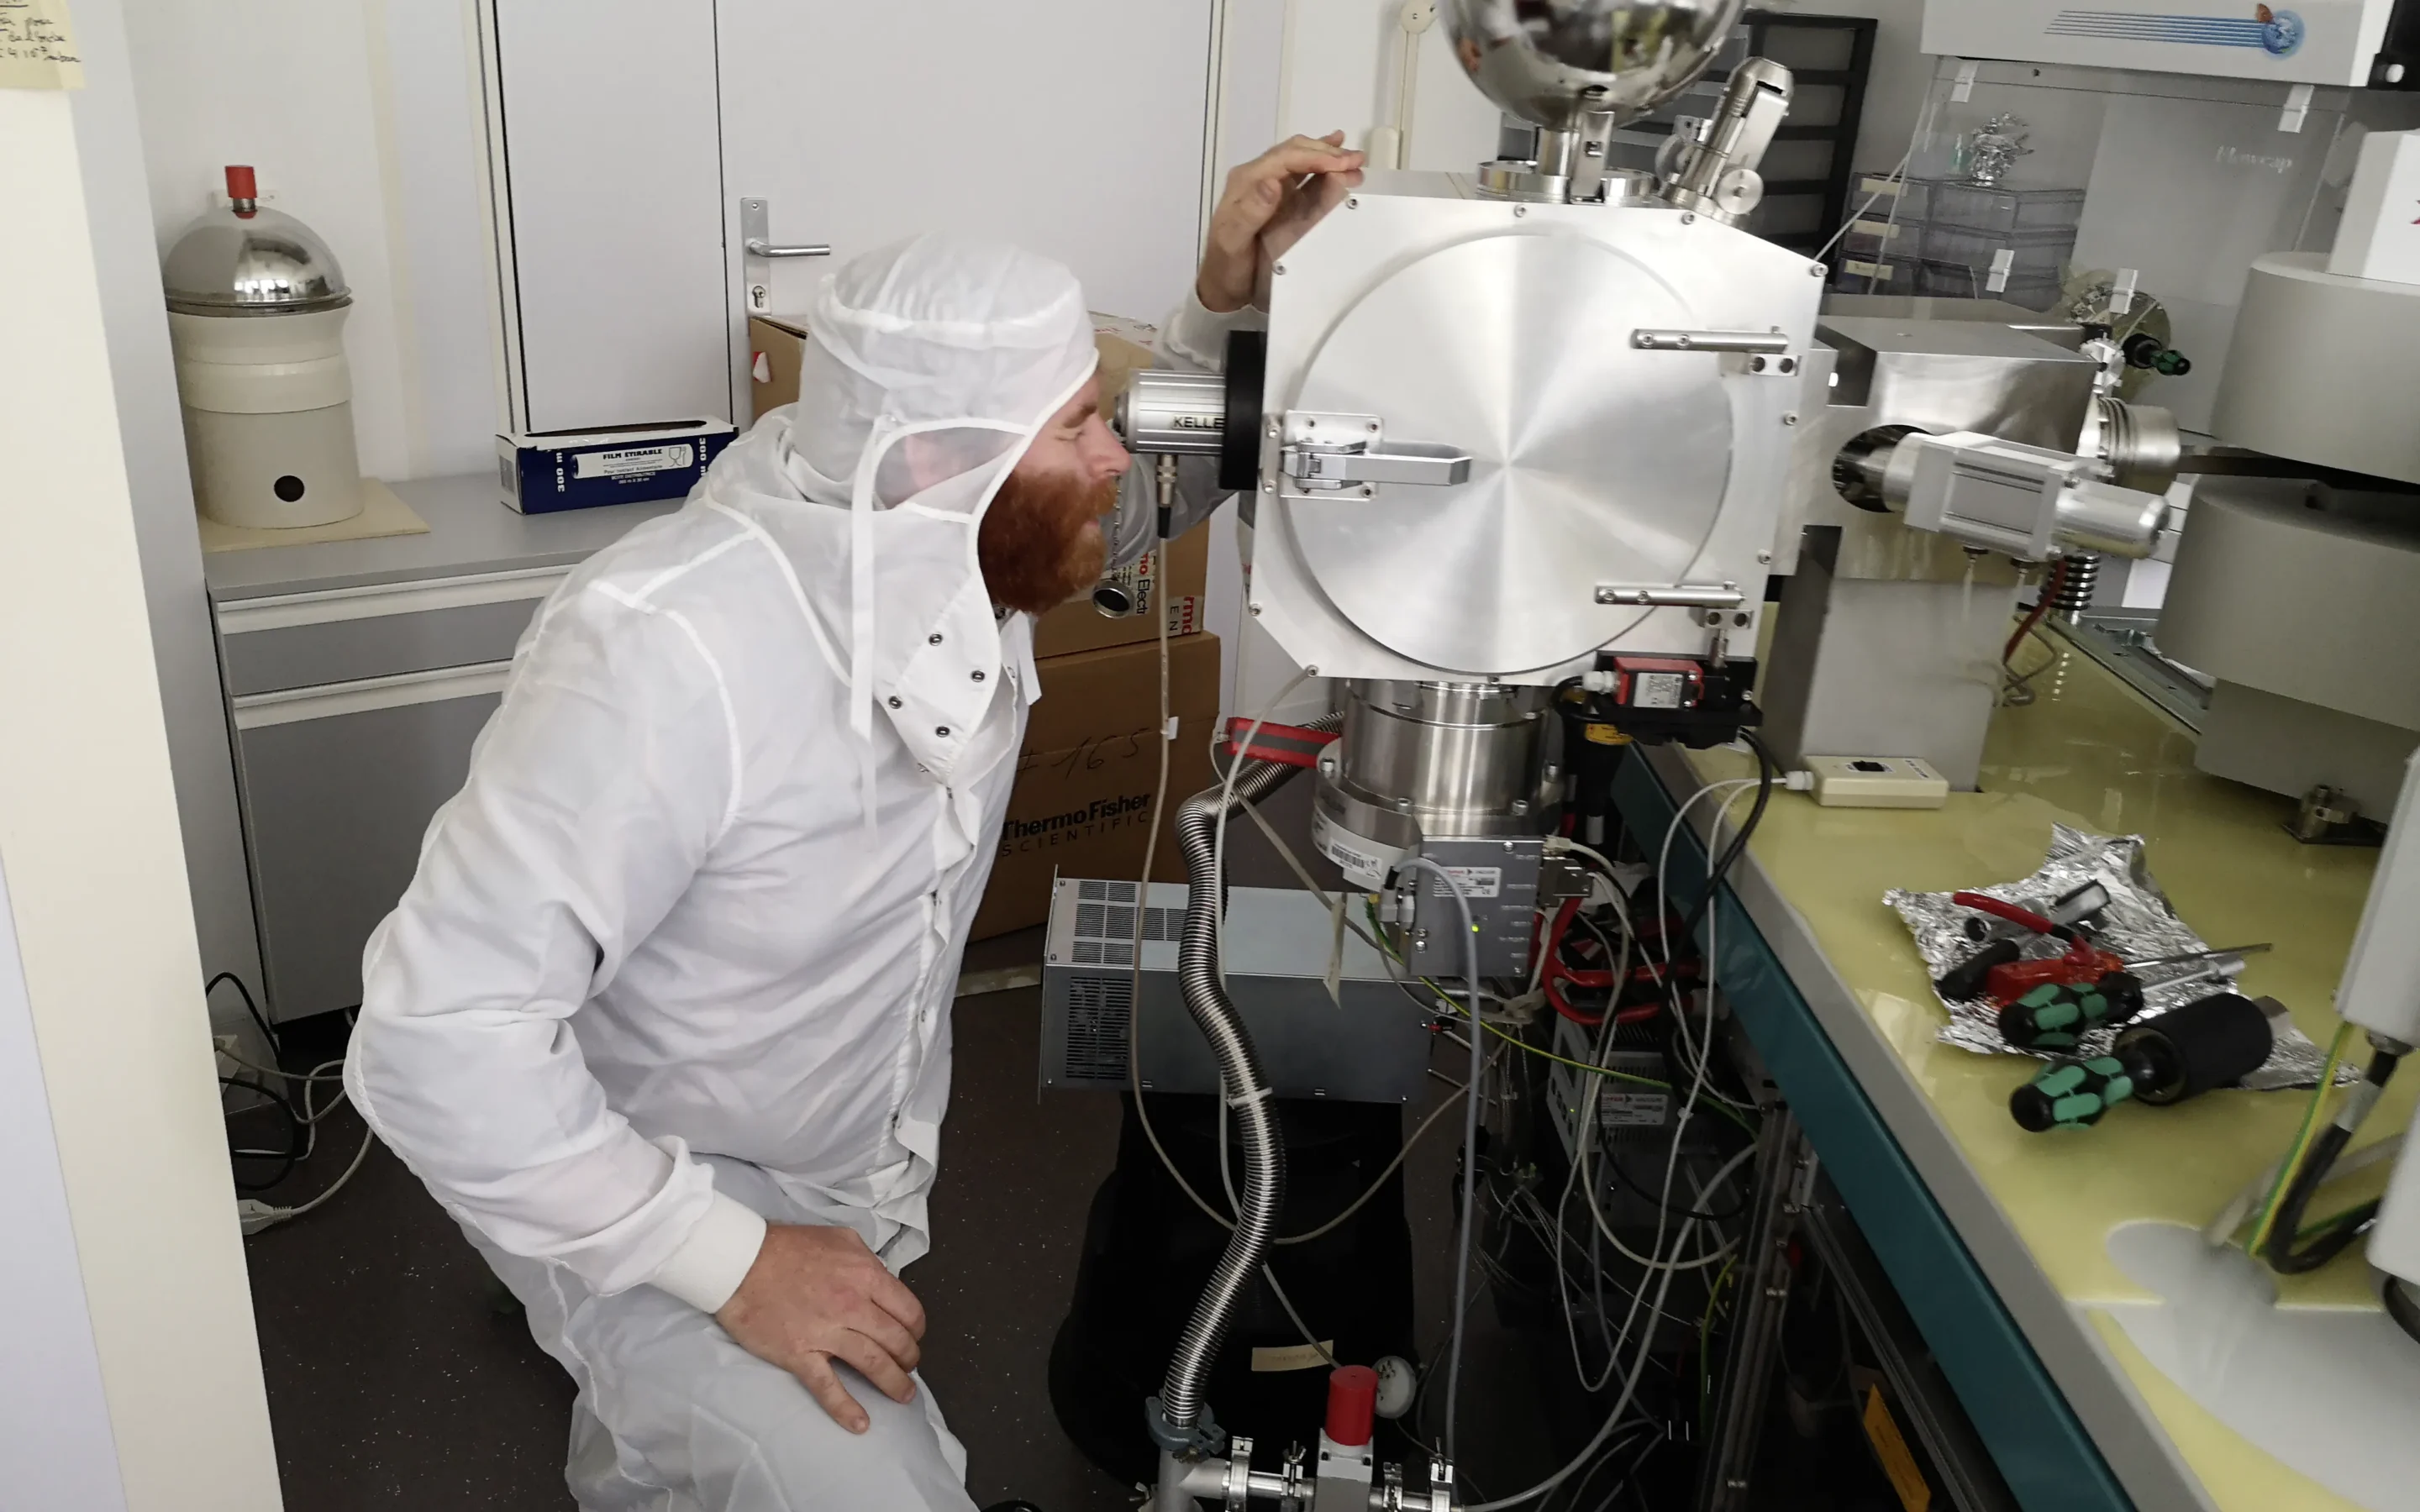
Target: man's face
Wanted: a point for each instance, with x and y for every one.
(1040, 542)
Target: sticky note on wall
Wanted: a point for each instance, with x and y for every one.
(37, 47)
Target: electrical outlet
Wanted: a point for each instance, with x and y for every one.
(1877, 782)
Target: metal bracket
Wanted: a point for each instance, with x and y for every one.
(1678, 596)
(1327, 455)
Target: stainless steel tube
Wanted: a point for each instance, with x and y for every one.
(1240, 1082)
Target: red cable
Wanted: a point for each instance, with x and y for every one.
(1554, 976)
(2041, 607)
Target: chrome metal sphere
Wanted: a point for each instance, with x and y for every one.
(1552, 62)
(266, 263)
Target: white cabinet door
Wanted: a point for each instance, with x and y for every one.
(1070, 127)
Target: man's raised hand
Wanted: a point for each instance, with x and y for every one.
(1266, 207)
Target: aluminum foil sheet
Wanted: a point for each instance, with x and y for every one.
(2138, 925)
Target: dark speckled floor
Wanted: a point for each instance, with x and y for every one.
(393, 1384)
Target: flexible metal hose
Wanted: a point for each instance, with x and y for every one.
(1240, 1081)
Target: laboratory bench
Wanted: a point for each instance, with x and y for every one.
(2102, 1355)
(357, 674)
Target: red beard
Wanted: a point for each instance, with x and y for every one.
(1040, 542)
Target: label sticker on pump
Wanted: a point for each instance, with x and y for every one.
(1476, 882)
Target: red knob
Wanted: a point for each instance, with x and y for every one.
(1352, 1401)
(239, 181)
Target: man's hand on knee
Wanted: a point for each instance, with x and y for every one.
(817, 1295)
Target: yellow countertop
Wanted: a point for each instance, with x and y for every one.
(2094, 754)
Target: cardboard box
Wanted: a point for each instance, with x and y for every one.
(1077, 626)
(777, 341)
(1084, 781)
(774, 343)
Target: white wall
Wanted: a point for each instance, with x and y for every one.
(151, 432)
(1343, 62)
(89, 843)
(54, 1435)
(359, 115)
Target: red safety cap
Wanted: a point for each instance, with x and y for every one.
(241, 184)
(1352, 1402)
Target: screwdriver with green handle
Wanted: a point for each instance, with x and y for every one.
(2055, 1015)
(2074, 1094)
(2178, 1055)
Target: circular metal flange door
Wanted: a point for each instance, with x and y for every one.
(1592, 462)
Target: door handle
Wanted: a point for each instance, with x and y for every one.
(1330, 456)
(756, 240)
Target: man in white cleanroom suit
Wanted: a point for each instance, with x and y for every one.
(664, 1019)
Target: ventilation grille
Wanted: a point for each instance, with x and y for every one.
(1098, 1009)
(1096, 892)
(1105, 930)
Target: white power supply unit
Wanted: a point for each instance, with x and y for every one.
(1877, 782)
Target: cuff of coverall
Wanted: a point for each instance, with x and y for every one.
(1198, 335)
(714, 1260)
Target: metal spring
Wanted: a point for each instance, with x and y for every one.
(2078, 577)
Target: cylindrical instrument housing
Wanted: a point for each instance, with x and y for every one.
(1431, 761)
(256, 315)
(2324, 369)
(2200, 1047)
(268, 417)
(2101, 517)
(1173, 413)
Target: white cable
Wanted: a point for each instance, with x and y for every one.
(1470, 1141)
(360, 1156)
(1584, 1131)
(1735, 786)
(254, 1215)
(1663, 1288)
(1612, 1419)
(283, 1076)
(1899, 175)
(1227, 801)
(1287, 1303)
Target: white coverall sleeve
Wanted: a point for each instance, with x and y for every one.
(1195, 337)
(595, 795)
